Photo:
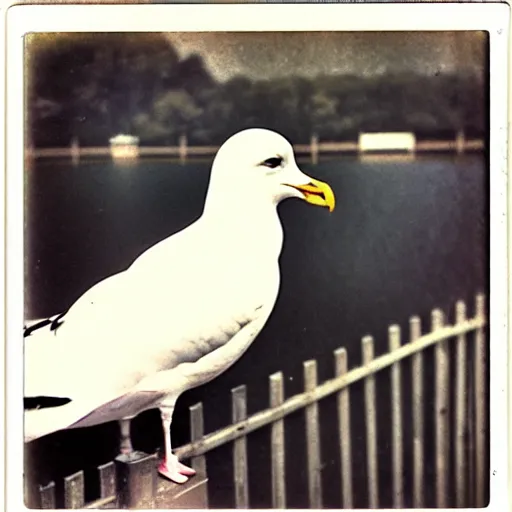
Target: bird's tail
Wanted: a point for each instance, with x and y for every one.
(51, 323)
(40, 422)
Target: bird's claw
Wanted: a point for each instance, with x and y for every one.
(175, 470)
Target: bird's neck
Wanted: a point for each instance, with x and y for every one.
(247, 225)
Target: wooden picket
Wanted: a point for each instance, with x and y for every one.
(74, 490)
(441, 412)
(371, 425)
(278, 449)
(47, 496)
(417, 417)
(341, 368)
(396, 419)
(240, 478)
(460, 409)
(313, 438)
(480, 364)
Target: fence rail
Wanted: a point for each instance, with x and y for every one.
(315, 148)
(467, 475)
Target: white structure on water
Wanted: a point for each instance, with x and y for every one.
(124, 146)
(392, 141)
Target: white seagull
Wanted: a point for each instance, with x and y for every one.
(181, 314)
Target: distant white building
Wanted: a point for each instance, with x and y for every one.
(124, 146)
(390, 141)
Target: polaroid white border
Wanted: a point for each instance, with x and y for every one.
(3, 442)
(494, 18)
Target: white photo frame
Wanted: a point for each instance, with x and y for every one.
(493, 18)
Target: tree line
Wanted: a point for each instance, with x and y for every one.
(92, 87)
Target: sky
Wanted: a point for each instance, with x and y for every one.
(266, 55)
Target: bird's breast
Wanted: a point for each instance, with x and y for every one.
(212, 312)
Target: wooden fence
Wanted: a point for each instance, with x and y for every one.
(135, 484)
(460, 144)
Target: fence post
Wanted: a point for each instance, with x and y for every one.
(460, 142)
(460, 409)
(441, 412)
(239, 412)
(417, 416)
(75, 151)
(371, 425)
(480, 361)
(196, 434)
(314, 149)
(396, 420)
(277, 443)
(183, 149)
(341, 368)
(74, 491)
(313, 438)
(136, 480)
(107, 473)
(470, 405)
(47, 496)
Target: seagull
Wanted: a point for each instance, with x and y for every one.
(181, 314)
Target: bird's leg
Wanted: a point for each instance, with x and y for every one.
(171, 467)
(125, 445)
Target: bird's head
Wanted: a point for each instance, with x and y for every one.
(259, 162)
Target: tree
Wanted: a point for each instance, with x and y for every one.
(101, 82)
(93, 86)
(324, 115)
(173, 114)
(194, 77)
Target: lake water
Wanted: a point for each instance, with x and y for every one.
(407, 235)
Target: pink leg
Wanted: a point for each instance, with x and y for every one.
(126, 442)
(171, 467)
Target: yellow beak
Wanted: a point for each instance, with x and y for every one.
(317, 192)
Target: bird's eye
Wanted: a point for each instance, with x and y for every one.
(273, 162)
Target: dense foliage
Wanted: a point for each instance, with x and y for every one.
(94, 87)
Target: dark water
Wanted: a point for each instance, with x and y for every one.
(406, 236)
